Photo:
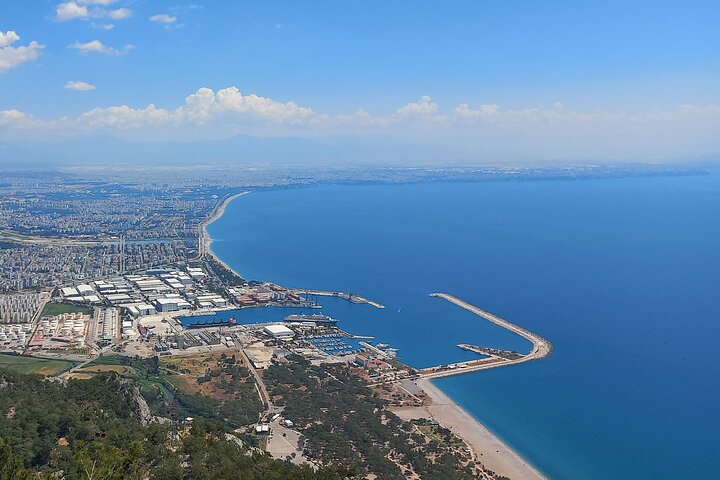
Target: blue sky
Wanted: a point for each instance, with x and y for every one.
(542, 74)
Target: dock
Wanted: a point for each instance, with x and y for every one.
(350, 297)
(493, 358)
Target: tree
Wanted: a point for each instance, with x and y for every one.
(11, 467)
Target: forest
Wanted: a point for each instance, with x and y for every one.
(344, 422)
(91, 429)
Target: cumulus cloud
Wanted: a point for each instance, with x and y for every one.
(200, 108)
(96, 46)
(11, 57)
(119, 14)
(70, 10)
(97, 2)
(79, 9)
(11, 117)
(79, 86)
(163, 18)
(424, 107)
(8, 38)
(551, 131)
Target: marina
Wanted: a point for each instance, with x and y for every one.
(335, 344)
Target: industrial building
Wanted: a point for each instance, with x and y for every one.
(279, 331)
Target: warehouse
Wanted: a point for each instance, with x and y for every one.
(279, 331)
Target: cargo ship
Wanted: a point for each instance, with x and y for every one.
(213, 322)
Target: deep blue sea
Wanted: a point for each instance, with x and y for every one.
(622, 276)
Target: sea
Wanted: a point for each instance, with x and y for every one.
(621, 275)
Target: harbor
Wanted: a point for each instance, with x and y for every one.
(492, 358)
(350, 297)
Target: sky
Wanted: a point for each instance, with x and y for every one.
(483, 81)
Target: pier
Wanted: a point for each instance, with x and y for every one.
(350, 297)
(493, 357)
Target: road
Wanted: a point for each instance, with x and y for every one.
(264, 395)
(10, 236)
(35, 321)
(101, 352)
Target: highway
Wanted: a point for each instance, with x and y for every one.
(10, 236)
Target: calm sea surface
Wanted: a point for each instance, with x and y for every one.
(622, 276)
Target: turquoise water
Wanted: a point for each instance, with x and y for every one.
(621, 275)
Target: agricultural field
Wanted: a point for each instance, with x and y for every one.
(39, 366)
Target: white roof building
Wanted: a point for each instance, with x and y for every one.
(85, 289)
(279, 331)
(69, 291)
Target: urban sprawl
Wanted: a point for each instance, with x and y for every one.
(98, 275)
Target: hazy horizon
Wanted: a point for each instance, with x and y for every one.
(371, 83)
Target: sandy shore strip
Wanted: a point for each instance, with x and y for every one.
(217, 213)
(486, 447)
(206, 240)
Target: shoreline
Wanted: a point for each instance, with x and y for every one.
(490, 450)
(484, 445)
(206, 240)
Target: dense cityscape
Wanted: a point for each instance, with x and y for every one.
(101, 277)
(359, 240)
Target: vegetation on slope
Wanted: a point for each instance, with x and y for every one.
(345, 423)
(91, 429)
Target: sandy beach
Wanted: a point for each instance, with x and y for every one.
(486, 447)
(217, 213)
(206, 240)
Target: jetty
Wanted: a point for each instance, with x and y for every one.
(493, 358)
(350, 297)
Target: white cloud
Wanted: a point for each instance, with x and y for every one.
(12, 117)
(8, 38)
(163, 18)
(103, 26)
(201, 107)
(96, 46)
(483, 111)
(96, 2)
(70, 10)
(11, 57)
(425, 107)
(485, 131)
(119, 14)
(78, 9)
(79, 86)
